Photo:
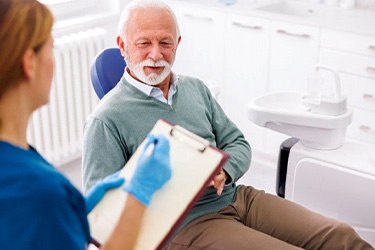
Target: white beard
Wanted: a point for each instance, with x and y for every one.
(152, 79)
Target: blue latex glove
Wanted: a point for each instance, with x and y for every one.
(153, 169)
(96, 193)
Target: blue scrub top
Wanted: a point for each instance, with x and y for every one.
(39, 208)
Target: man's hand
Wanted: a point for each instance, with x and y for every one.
(219, 181)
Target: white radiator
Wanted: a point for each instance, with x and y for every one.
(56, 130)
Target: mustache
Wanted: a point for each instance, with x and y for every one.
(152, 63)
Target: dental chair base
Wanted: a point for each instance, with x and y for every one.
(337, 183)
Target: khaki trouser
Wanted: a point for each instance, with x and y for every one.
(257, 220)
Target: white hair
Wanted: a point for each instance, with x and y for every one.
(143, 4)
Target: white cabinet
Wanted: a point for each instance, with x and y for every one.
(246, 59)
(294, 52)
(248, 56)
(354, 57)
(201, 50)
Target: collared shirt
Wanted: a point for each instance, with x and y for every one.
(154, 91)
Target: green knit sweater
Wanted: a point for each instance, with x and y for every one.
(125, 115)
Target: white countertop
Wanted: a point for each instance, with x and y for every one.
(352, 20)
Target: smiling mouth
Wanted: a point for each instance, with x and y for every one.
(153, 69)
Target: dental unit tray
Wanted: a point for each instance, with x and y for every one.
(318, 121)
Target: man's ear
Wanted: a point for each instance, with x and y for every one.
(121, 45)
(29, 64)
(178, 42)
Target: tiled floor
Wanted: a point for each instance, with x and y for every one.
(73, 172)
(258, 176)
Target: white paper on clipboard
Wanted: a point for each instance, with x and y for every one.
(194, 163)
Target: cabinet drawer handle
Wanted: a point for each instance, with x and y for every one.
(366, 129)
(371, 47)
(293, 34)
(253, 27)
(203, 18)
(370, 69)
(368, 97)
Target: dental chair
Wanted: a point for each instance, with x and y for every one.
(106, 70)
(319, 167)
(338, 183)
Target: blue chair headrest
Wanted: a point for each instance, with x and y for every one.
(106, 70)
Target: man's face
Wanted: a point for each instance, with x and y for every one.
(150, 45)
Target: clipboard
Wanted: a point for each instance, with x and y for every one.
(194, 163)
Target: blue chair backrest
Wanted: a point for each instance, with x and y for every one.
(106, 70)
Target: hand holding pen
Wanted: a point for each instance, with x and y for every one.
(153, 169)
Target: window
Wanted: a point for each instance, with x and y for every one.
(50, 2)
(65, 9)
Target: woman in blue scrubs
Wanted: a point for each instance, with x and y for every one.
(40, 208)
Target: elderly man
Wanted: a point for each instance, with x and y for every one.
(227, 216)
